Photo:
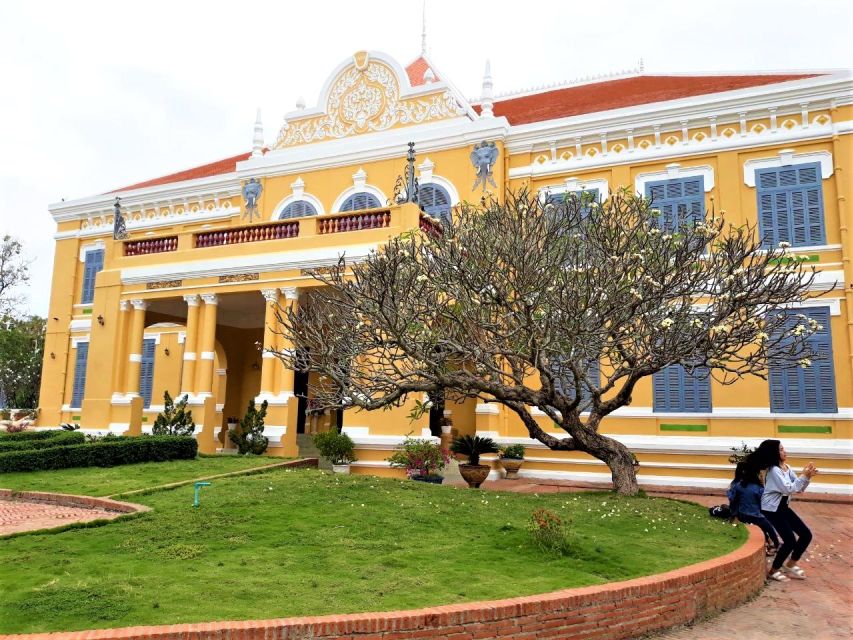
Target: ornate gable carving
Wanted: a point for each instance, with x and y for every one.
(363, 98)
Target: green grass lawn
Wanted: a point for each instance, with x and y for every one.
(301, 542)
(97, 481)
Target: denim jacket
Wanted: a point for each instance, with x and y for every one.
(745, 500)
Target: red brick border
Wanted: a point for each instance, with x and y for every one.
(610, 611)
(68, 500)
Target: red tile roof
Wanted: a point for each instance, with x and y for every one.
(416, 71)
(219, 167)
(627, 92)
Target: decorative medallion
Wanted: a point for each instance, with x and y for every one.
(365, 97)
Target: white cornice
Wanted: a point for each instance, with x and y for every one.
(371, 147)
(667, 152)
(259, 263)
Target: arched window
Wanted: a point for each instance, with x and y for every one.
(434, 200)
(361, 200)
(298, 209)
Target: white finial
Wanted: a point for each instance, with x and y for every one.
(486, 96)
(641, 67)
(258, 138)
(423, 31)
(300, 103)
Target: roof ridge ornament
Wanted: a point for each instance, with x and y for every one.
(423, 31)
(258, 138)
(486, 95)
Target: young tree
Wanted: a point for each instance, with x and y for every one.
(14, 271)
(515, 300)
(249, 437)
(175, 420)
(21, 354)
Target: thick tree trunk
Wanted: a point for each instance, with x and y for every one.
(622, 472)
(613, 453)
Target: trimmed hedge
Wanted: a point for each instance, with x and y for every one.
(105, 453)
(62, 438)
(30, 435)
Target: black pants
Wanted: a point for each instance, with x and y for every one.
(764, 523)
(795, 535)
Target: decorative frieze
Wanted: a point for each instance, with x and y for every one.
(239, 277)
(163, 284)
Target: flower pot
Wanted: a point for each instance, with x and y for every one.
(340, 468)
(511, 466)
(474, 474)
(429, 479)
(446, 428)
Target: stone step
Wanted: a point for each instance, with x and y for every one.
(308, 450)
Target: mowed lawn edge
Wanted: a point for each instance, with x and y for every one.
(288, 543)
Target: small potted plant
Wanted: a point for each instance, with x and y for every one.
(338, 448)
(512, 457)
(473, 447)
(422, 460)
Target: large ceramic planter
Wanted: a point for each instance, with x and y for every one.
(340, 468)
(511, 466)
(474, 474)
(429, 479)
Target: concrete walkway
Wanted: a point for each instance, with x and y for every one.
(817, 608)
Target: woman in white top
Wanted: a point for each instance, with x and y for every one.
(779, 484)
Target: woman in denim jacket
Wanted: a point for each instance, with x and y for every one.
(745, 494)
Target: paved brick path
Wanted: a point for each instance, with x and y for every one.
(817, 608)
(17, 516)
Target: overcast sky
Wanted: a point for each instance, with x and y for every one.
(97, 95)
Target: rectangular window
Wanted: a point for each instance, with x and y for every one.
(79, 374)
(565, 384)
(680, 201)
(93, 264)
(790, 206)
(676, 390)
(809, 390)
(146, 370)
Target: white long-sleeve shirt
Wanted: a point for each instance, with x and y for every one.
(780, 483)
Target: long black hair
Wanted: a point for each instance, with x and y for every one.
(747, 473)
(766, 455)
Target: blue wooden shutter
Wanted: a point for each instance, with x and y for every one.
(79, 374)
(146, 370)
(810, 390)
(298, 209)
(588, 195)
(680, 201)
(359, 201)
(790, 205)
(434, 200)
(93, 264)
(677, 390)
(565, 384)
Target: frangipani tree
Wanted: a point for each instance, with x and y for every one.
(515, 300)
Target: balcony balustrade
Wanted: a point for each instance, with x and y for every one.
(150, 245)
(355, 221)
(254, 233)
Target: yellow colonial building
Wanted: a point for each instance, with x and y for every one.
(184, 301)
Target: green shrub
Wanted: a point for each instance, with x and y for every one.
(30, 435)
(549, 531)
(514, 451)
(61, 439)
(175, 420)
(337, 447)
(249, 436)
(105, 453)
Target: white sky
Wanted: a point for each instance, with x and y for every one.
(97, 95)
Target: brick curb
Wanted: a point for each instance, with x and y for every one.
(293, 464)
(611, 611)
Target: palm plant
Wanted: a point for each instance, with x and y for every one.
(473, 447)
